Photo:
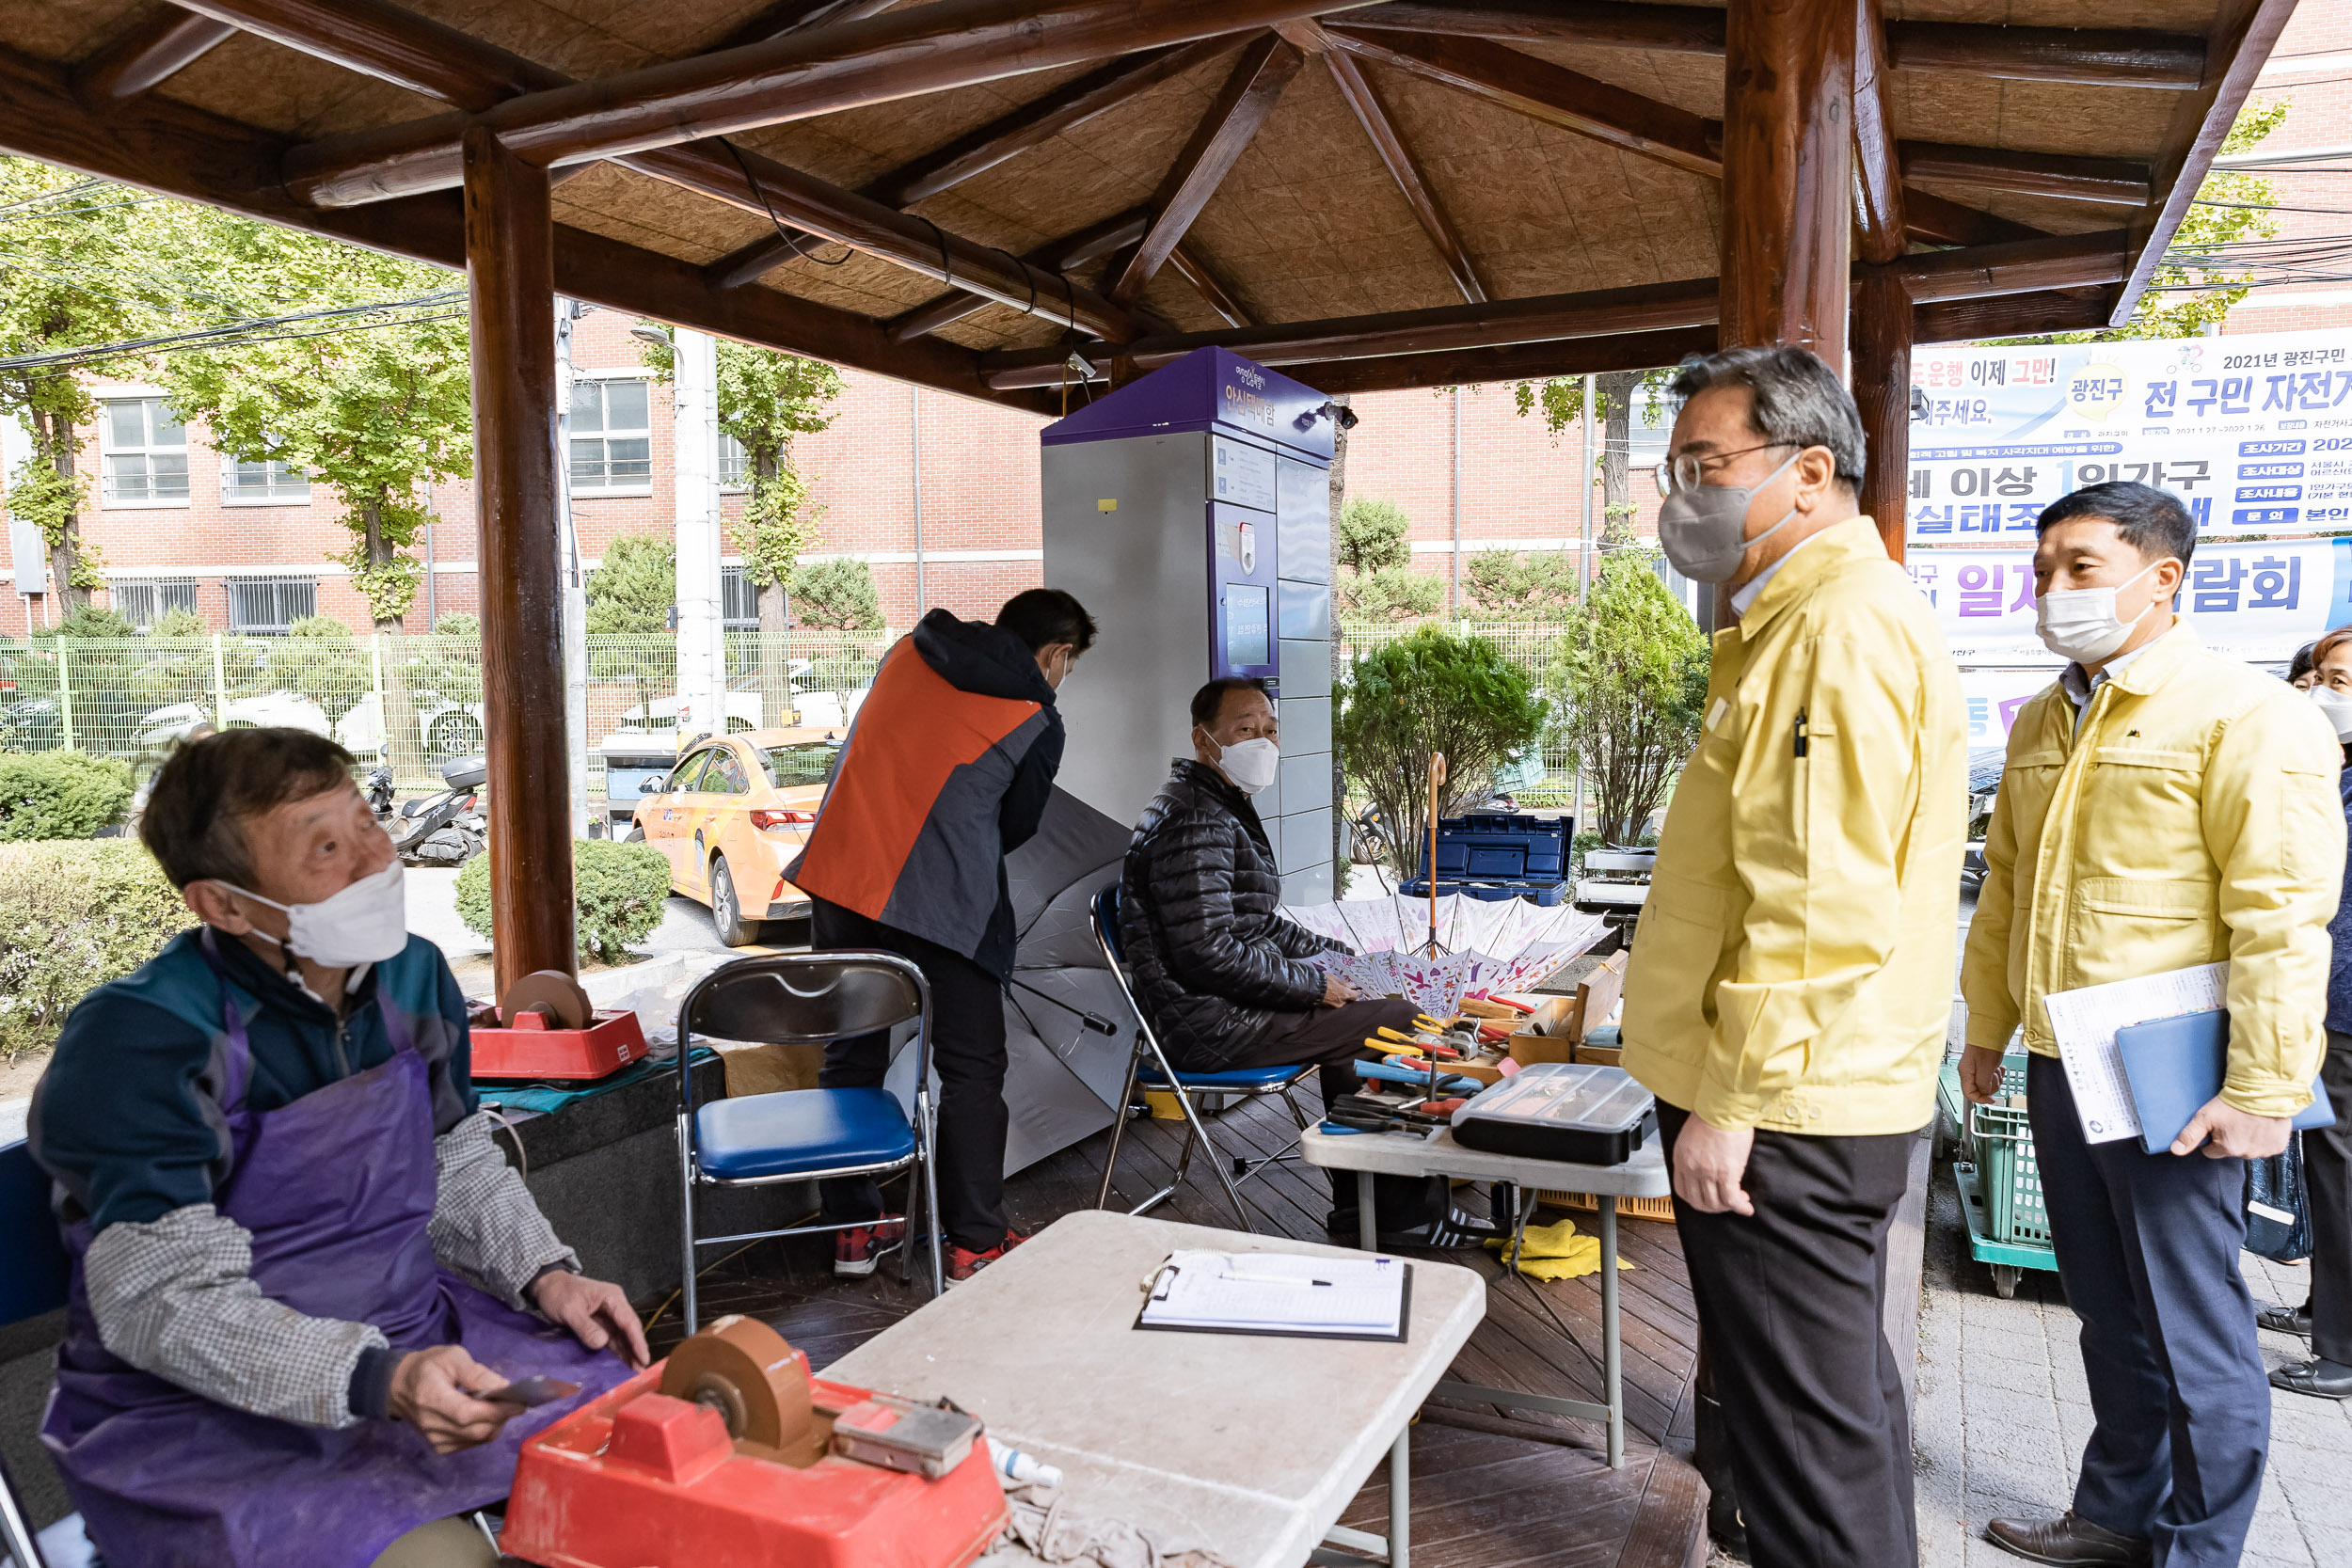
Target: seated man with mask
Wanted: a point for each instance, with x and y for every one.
(302, 1268)
(1223, 976)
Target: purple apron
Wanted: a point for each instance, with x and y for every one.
(337, 1189)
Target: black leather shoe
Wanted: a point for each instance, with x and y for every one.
(2318, 1377)
(2067, 1539)
(2286, 1320)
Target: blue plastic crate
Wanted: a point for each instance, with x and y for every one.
(1497, 848)
(1546, 894)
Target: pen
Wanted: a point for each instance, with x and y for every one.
(1274, 1279)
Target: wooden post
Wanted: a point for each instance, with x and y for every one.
(510, 280)
(1881, 388)
(1787, 173)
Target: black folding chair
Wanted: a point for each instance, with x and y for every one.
(807, 1135)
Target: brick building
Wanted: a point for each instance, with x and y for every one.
(2312, 68)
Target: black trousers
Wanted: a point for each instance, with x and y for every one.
(2327, 1171)
(968, 1053)
(1792, 1304)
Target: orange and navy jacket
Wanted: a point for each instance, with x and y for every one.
(946, 771)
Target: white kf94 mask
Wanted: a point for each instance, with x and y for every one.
(365, 922)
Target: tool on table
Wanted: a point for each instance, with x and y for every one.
(728, 1454)
(1394, 1070)
(1398, 1047)
(544, 1026)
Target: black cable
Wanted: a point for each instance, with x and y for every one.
(788, 236)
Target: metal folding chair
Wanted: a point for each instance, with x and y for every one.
(807, 1135)
(1148, 1066)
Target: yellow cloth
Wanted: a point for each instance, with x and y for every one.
(1555, 1252)
(2193, 817)
(1792, 966)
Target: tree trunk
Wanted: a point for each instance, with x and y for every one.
(1616, 390)
(404, 748)
(57, 439)
(777, 700)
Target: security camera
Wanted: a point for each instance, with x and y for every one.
(1339, 414)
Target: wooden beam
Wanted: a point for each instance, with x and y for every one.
(1189, 261)
(2010, 316)
(1541, 90)
(164, 41)
(820, 71)
(1630, 351)
(392, 45)
(2017, 267)
(787, 16)
(157, 144)
(2090, 56)
(2117, 180)
(2093, 57)
(1939, 220)
(1091, 244)
(1380, 126)
(1252, 89)
(1882, 391)
(1787, 224)
(1881, 233)
(510, 288)
(751, 263)
(2243, 37)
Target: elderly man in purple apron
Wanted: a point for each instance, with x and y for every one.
(300, 1263)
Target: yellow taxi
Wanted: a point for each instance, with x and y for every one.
(732, 814)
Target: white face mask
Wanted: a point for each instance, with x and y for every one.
(365, 922)
(1251, 764)
(2081, 624)
(2337, 705)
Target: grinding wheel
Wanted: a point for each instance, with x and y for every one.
(553, 993)
(743, 1369)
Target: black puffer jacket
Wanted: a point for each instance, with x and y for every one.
(1213, 961)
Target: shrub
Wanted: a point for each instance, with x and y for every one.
(73, 916)
(1631, 679)
(618, 891)
(60, 794)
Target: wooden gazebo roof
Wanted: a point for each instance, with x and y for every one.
(966, 193)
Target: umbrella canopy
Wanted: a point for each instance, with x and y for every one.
(1482, 945)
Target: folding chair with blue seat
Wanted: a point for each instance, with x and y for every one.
(1148, 1066)
(807, 1135)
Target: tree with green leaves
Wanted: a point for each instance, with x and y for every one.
(1561, 400)
(1391, 594)
(1632, 682)
(1504, 585)
(838, 596)
(1372, 536)
(1431, 692)
(629, 597)
(71, 278)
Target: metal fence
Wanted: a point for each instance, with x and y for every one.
(1531, 647)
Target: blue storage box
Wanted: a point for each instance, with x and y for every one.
(1495, 856)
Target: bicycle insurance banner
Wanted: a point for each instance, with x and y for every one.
(2253, 433)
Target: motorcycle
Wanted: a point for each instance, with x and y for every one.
(446, 830)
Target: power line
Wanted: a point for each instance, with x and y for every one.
(244, 331)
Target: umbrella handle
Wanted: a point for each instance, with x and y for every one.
(1095, 1021)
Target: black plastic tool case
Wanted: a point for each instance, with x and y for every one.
(1580, 1112)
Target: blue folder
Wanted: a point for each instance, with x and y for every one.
(2174, 1066)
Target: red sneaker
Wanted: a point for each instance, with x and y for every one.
(857, 1250)
(962, 1263)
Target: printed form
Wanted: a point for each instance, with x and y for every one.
(2085, 1022)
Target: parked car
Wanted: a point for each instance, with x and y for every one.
(732, 814)
(448, 730)
(812, 709)
(1984, 786)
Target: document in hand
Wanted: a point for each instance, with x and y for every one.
(2085, 1022)
(1275, 1292)
(2175, 1065)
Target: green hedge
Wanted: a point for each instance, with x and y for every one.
(618, 891)
(60, 794)
(75, 915)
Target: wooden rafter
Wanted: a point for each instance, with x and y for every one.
(1628, 351)
(1219, 294)
(1091, 244)
(2118, 182)
(822, 71)
(2017, 266)
(2090, 56)
(1364, 98)
(173, 150)
(1940, 221)
(787, 16)
(164, 41)
(1881, 230)
(1252, 89)
(2010, 316)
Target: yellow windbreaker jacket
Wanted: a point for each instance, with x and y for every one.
(1792, 967)
(2192, 817)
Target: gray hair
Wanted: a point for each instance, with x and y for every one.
(1798, 400)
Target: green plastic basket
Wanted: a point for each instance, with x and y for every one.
(2007, 1174)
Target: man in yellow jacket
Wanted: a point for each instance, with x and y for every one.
(1788, 994)
(2162, 807)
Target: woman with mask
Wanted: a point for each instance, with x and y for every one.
(2326, 1316)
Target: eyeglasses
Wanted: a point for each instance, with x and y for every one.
(1682, 473)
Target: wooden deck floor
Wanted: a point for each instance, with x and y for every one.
(1491, 1489)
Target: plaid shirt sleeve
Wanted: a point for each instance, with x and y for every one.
(485, 1224)
(175, 1297)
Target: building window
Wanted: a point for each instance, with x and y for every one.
(268, 607)
(249, 484)
(739, 600)
(143, 604)
(146, 454)
(734, 468)
(611, 436)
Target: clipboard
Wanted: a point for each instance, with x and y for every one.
(1156, 1290)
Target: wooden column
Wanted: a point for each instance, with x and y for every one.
(1788, 84)
(510, 281)
(1881, 388)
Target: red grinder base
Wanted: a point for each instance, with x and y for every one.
(639, 1480)
(610, 1043)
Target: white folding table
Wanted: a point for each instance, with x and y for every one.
(1251, 1445)
(1412, 1154)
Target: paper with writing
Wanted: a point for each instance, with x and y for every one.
(1273, 1292)
(2085, 1022)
